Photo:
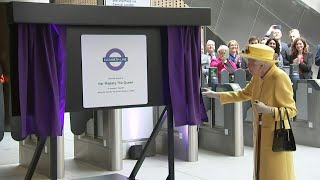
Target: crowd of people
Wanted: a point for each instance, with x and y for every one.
(269, 90)
(297, 52)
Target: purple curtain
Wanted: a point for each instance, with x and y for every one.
(184, 75)
(41, 65)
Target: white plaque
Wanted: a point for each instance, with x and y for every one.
(114, 70)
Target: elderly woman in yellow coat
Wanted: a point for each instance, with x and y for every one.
(269, 89)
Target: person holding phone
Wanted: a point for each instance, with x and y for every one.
(222, 61)
(276, 33)
(270, 92)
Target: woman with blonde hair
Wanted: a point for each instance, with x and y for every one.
(234, 50)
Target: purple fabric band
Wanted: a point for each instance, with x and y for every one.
(41, 65)
(184, 75)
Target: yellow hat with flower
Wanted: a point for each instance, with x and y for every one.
(259, 52)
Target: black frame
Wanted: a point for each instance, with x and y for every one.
(82, 15)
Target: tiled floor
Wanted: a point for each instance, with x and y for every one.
(210, 166)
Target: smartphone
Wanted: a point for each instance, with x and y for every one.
(277, 27)
(226, 56)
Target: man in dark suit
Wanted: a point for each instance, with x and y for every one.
(206, 58)
(293, 34)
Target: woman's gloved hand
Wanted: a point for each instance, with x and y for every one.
(262, 108)
(209, 93)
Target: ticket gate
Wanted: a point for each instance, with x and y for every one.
(224, 131)
(306, 127)
(248, 128)
(28, 146)
(102, 148)
(109, 135)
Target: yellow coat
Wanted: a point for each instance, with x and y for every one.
(274, 90)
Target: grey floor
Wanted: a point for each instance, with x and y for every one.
(210, 166)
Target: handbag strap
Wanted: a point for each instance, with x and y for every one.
(281, 119)
(288, 117)
(281, 122)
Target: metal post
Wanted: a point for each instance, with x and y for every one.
(115, 129)
(238, 129)
(170, 143)
(153, 135)
(192, 143)
(95, 125)
(53, 158)
(60, 157)
(35, 158)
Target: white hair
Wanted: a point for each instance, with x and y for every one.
(223, 47)
(294, 31)
(211, 41)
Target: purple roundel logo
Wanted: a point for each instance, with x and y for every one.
(121, 58)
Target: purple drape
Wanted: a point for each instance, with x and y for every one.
(184, 75)
(41, 65)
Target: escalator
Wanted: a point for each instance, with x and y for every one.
(314, 4)
(244, 18)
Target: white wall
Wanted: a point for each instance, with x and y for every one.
(315, 4)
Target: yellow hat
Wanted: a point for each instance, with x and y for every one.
(259, 52)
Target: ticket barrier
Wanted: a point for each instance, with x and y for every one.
(28, 146)
(306, 126)
(185, 140)
(248, 128)
(224, 131)
(137, 126)
(109, 135)
(101, 147)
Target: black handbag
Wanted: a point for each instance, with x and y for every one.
(283, 139)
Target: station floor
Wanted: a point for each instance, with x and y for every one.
(210, 165)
